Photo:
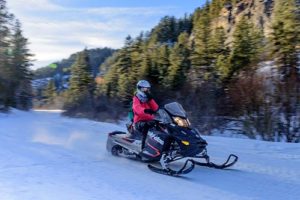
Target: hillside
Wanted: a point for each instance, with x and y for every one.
(96, 56)
(45, 156)
(258, 12)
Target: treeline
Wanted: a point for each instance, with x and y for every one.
(15, 76)
(50, 83)
(217, 77)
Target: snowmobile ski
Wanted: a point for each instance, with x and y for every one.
(231, 160)
(168, 171)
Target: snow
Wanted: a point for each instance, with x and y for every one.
(44, 156)
(40, 83)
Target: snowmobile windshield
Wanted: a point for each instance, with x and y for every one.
(163, 116)
(175, 109)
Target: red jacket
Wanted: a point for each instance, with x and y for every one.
(138, 109)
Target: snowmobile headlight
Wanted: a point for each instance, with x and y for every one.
(185, 142)
(181, 121)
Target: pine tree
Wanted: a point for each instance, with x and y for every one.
(166, 31)
(163, 63)
(286, 35)
(219, 52)
(149, 69)
(137, 49)
(180, 63)
(185, 24)
(247, 43)
(215, 7)
(217, 42)
(82, 84)
(123, 65)
(109, 86)
(200, 56)
(146, 65)
(4, 57)
(20, 69)
(50, 92)
(15, 76)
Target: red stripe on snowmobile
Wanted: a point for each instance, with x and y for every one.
(155, 149)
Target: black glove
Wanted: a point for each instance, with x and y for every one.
(149, 96)
(149, 111)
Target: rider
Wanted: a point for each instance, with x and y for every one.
(144, 106)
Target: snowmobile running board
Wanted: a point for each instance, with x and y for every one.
(171, 172)
(216, 166)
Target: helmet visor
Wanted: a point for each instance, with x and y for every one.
(145, 89)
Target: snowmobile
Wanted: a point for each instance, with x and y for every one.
(171, 138)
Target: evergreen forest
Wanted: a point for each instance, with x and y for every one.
(15, 60)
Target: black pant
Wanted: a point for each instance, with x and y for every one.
(143, 127)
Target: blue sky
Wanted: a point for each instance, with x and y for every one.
(58, 28)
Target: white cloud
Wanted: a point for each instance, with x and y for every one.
(112, 11)
(30, 5)
(55, 32)
(95, 41)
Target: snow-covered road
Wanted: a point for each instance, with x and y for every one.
(44, 156)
